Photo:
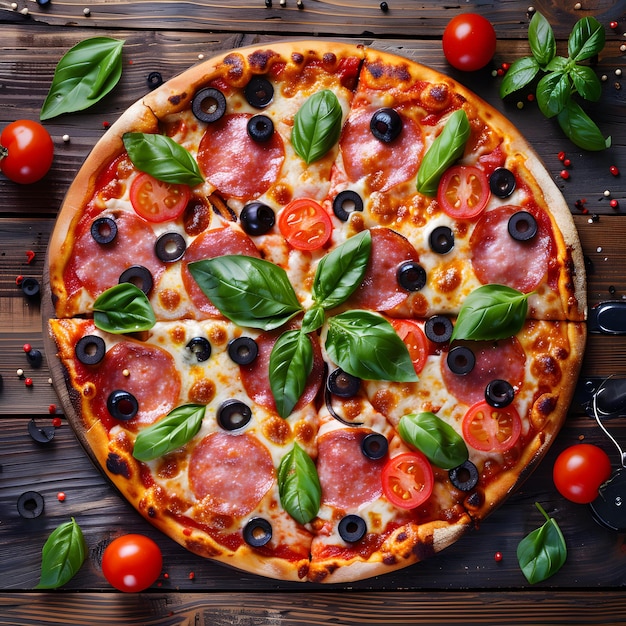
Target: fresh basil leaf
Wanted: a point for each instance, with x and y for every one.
(62, 555)
(541, 39)
(491, 312)
(586, 39)
(436, 439)
(291, 361)
(586, 82)
(313, 319)
(173, 431)
(521, 73)
(248, 291)
(365, 345)
(559, 64)
(543, 552)
(317, 126)
(299, 486)
(339, 273)
(581, 129)
(553, 92)
(123, 308)
(443, 152)
(84, 75)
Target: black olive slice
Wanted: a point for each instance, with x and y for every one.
(139, 276)
(260, 128)
(465, 476)
(257, 532)
(30, 287)
(411, 276)
(257, 218)
(30, 504)
(522, 226)
(342, 384)
(441, 240)
(170, 247)
(201, 347)
(352, 528)
(233, 414)
(34, 357)
(461, 360)
(374, 446)
(259, 92)
(243, 350)
(502, 182)
(209, 105)
(90, 349)
(345, 203)
(386, 124)
(438, 328)
(104, 230)
(40, 434)
(499, 393)
(122, 405)
(154, 80)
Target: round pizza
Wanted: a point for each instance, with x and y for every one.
(317, 309)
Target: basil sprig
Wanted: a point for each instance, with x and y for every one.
(173, 431)
(317, 126)
(163, 158)
(62, 555)
(443, 152)
(491, 312)
(543, 552)
(84, 75)
(560, 78)
(299, 486)
(439, 442)
(123, 308)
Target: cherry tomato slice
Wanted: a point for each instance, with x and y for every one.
(489, 429)
(26, 151)
(132, 562)
(157, 201)
(469, 42)
(579, 470)
(408, 480)
(463, 192)
(305, 224)
(415, 341)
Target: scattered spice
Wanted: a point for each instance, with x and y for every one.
(614, 204)
(56, 422)
(564, 174)
(66, 138)
(497, 557)
(30, 256)
(613, 169)
(86, 11)
(384, 7)
(18, 280)
(613, 25)
(20, 372)
(61, 496)
(192, 575)
(52, 409)
(28, 382)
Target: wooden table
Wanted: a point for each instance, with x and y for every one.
(464, 584)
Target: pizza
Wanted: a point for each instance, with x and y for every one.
(317, 309)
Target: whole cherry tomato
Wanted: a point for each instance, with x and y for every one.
(469, 42)
(132, 562)
(579, 470)
(26, 151)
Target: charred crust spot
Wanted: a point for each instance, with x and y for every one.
(176, 99)
(329, 58)
(297, 58)
(117, 465)
(389, 559)
(474, 500)
(151, 512)
(546, 404)
(259, 60)
(424, 549)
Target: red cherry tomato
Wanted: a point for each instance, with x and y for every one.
(463, 192)
(579, 470)
(305, 224)
(408, 480)
(486, 428)
(157, 201)
(132, 562)
(26, 151)
(469, 42)
(415, 340)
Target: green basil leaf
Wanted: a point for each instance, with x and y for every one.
(171, 432)
(543, 552)
(339, 273)
(491, 312)
(313, 319)
(586, 39)
(291, 361)
(83, 76)
(317, 126)
(553, 92)
(123, 308)
(581, 129)
(62, 555)
(521, 73)
(248, 291)
(443, 152)
(163, 158)
(299, 486)
(541, 39)
(586, 82)
(365, 345)
(436, 439)
(559, 64)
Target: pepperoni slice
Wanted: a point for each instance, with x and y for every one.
(503, 359)
(348, 478)
(212, 243)
(230, 473)
(384, 164)
(236, 165)
(498, 258)
(380, 290)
